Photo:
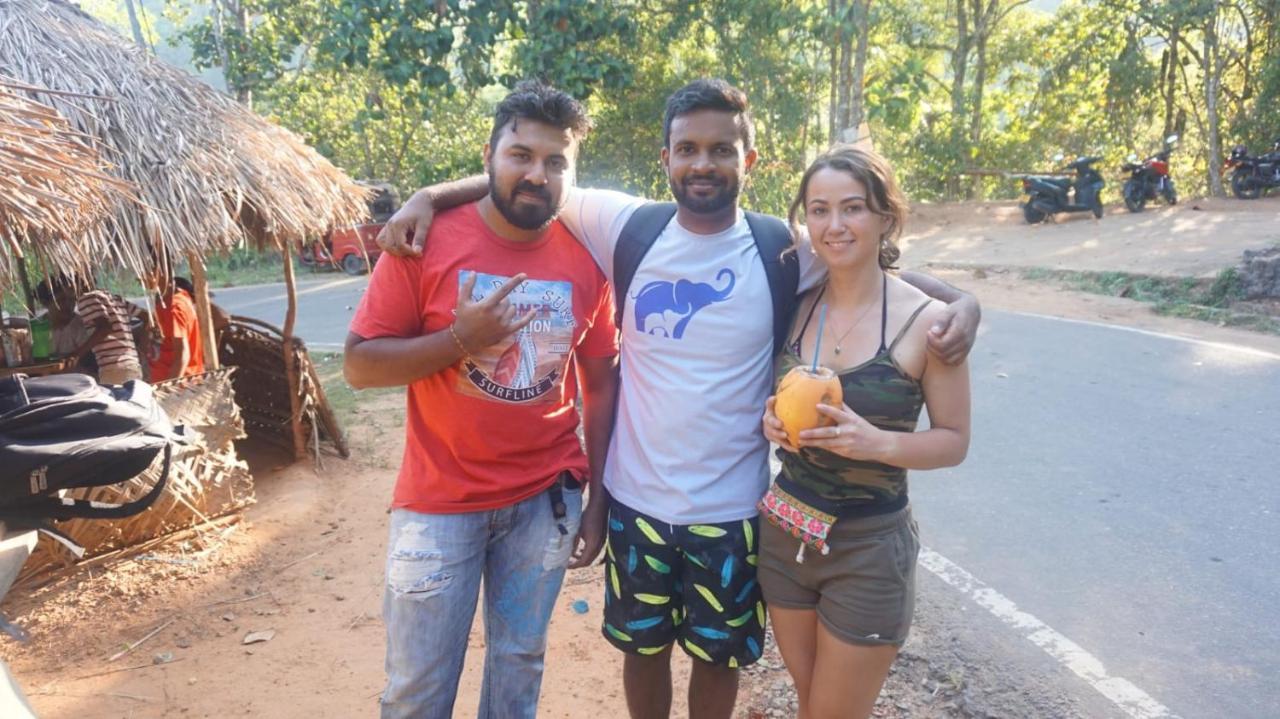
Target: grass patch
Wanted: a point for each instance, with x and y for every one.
(343, 398)
(1223, 317)
(1209, 300)
(348, 406)
(245, 267)
(237, 268)
(1144, 288)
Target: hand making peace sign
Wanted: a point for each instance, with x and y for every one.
(486, 322)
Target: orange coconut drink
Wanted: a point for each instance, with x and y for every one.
(799, 394)
(803, 389)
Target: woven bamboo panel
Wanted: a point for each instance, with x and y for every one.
(256, 349)
(206, 480)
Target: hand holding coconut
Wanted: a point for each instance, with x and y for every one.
(795, 407)
(809, 411)
(774, 430)
(849, 435)
(801, 391)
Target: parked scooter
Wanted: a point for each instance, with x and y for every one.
(1149, 180)
(1048, 194)
(1251, 176)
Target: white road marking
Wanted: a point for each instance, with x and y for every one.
(1129, 698)
(1151, 333)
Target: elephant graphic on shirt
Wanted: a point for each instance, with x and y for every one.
(680, 299)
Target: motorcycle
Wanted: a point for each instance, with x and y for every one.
(1149, 179)
(1048, 194)
(1251, 176)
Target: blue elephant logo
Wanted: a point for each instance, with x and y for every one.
(679, 301)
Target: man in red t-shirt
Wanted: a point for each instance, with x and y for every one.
(177, 350)
(492, 328)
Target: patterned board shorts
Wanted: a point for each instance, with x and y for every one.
(693, 584)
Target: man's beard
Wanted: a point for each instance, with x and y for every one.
(524, 215)
(726, 194)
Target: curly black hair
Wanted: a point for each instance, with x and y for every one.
(533, 100)
(710, 94)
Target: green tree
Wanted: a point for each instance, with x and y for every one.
(951, 89)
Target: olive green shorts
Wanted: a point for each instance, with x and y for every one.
(863, 590)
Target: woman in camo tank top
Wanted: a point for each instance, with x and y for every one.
(838, 545)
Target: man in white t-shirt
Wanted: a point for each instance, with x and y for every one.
(687, 462)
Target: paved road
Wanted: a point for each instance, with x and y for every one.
(325, 306)
(1121, 487)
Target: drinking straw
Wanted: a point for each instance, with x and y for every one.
(817, 344)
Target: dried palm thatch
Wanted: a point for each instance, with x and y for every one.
(211, 174)
(206, 479)
(52, 184)
(256, 350)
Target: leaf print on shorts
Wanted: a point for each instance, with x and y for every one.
(649, 531)
(657, 565)
(710, 597)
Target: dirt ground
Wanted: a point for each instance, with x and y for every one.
(306, 562)
(1196, 238)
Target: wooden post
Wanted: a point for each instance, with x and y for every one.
(324, 415)
(28, 297)
(204, 314)
(290, 358)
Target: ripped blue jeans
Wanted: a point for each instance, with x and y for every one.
(435, 563)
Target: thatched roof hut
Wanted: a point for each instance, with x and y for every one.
(211, 174)
(52, 186)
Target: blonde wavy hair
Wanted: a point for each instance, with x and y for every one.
(884, 197)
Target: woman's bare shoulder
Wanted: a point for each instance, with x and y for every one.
(904, 298)
(932, 312)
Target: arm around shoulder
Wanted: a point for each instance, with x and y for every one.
(947, 399)
(596, 218)
(405, 234)
(951, 334)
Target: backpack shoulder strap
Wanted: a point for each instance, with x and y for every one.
(782, 268)
(637, 236)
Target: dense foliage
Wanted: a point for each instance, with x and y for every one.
(950, 90)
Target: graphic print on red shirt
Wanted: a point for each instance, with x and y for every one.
(500, 425)
(528, 365)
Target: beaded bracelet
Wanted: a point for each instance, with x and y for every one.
(454, 334)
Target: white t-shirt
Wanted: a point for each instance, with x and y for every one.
(697, 365)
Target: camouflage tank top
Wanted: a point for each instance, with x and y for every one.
(883, 394)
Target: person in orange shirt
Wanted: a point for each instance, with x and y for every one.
(177, 350)
(493, 328)
(221, 318)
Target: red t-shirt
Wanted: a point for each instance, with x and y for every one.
(177, 319)
(497, 427)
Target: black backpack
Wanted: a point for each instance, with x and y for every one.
(772, 238)
(67, 431)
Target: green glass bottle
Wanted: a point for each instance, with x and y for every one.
(41, 338)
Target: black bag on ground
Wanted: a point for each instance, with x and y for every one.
(67, 431)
